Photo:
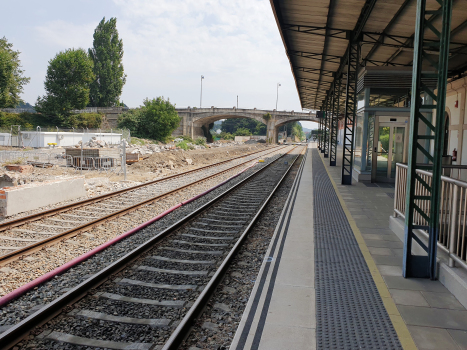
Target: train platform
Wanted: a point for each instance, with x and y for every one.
(332, 276)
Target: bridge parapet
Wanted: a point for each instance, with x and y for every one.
(195, 121)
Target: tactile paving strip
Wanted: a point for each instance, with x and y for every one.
(349, 311)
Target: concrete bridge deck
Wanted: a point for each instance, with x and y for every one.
(194, 120)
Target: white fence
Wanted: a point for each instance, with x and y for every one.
(452, 236)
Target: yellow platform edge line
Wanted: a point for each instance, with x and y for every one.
(398, 323)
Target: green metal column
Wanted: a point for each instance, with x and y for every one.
(326, 128)
(353, 59)
(335, 122)
(319, 132)
(425, 265)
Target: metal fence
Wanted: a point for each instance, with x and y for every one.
(111, 160)
(452, 236)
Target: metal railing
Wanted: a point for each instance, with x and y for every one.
(452, 236)
(108, 160)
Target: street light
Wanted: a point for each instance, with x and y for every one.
(201, 97)
(277, 98)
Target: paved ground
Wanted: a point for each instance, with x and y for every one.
(281, 313)
(434, 317)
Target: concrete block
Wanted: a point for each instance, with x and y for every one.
(18, 199)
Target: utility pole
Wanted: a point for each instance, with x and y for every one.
(201, 96)
(277, 98)
(237, 101)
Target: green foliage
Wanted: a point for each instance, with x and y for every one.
(242, 132)
(11, 76)
(384, 138)
(66, 84)
(297, 131)
(267, 117)
(183, 145)
(137, 141)
(232, 125)
(130, 120)
(32, 120)
(186, 138)
(226, 136)
(155, 120)
(107, 54)
(84, 120)
(200, 141)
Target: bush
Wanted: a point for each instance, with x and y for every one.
(183, 145)
(155, 120)
(226, 136)
(84, 120)
(32, 120)
(130, 120)
(242, 132)
(186, 138)
(200, 141)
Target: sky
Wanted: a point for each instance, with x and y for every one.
(168, 45)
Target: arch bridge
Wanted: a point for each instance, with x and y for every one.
(195, 121)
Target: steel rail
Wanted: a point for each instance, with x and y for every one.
(14, 255)
(20, 221)
(22, 329)
(184, 327)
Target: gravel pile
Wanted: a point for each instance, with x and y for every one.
(156, 166)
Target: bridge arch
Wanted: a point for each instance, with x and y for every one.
(282, 121)
(194, 120)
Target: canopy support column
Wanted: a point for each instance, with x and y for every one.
(335, 122)
(423, 197)
(326, 128)
(353, 59)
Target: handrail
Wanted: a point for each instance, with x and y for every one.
(452, 237)
(443, 178)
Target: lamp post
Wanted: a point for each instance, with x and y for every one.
(201, 96)
(277, 98)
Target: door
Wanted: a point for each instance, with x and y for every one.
(389, 149)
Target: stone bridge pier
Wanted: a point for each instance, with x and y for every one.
(195, 121)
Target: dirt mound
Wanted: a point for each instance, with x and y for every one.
(163, 162)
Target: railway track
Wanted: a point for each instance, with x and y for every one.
(32, 233)
(149, 298)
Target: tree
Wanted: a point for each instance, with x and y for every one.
(11, 76)
(156, 119)
(107, 54)
(232, 125)
(66, 84)
(242, 132)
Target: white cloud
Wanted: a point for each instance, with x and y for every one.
(168, 45)
(65, 34)
(236, 45)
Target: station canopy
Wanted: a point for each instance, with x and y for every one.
(316, 35)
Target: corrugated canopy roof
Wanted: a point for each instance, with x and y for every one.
(315, 36)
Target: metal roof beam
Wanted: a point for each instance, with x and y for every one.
(315, 56)
(388, 27)
(308, 80)
(325, 46)
(326, 73)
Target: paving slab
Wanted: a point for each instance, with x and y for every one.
(442, 300)
(419, 301)
(428, 338)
